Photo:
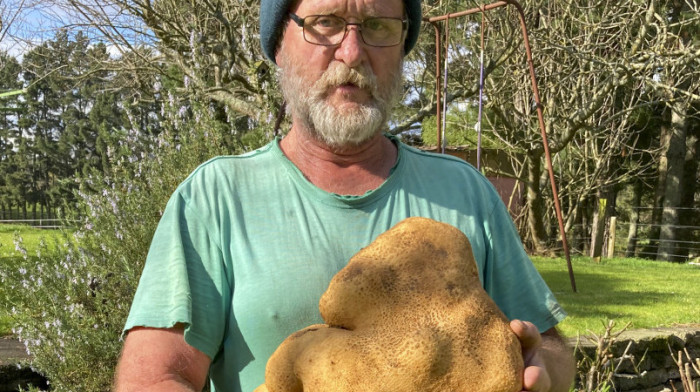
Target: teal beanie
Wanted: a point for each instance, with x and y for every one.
(274, 12)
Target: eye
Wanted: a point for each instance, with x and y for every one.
(328, 22)
(375, 25)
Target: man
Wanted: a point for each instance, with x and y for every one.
(247, 244)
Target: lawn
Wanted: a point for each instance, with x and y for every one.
(31, 240)
(643, 292)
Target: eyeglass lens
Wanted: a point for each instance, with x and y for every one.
(331, 29)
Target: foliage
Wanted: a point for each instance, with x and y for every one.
(595, 372)
(31, 238)
(602, 68)
(604, 359)
(610, 75)
(11, 257)
(69, 306)
(212, 44)
(461, 130)
(59, 126)
(686, 367)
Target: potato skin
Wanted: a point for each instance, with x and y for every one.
(407, 314)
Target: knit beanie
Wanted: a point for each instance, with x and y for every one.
(274, 12)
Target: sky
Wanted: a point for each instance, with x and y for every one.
(27, 23)
(33, 25)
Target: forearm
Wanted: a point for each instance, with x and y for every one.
(160, 360)
(559, 361)
(134, 375)
(163, 386)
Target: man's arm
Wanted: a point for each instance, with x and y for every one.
(160, 360)
(549, 362)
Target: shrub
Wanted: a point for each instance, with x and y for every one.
(69, 305)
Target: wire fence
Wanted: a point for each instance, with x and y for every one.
(31, 212)
(637, 235)
(38, 223)
(621, 238)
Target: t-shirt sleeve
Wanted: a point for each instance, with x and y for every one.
(184, 279)
(511, 279)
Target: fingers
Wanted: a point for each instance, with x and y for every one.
(527, 333)
(536, 378)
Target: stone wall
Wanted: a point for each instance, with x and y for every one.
(648, 365)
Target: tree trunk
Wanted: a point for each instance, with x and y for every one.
(655, 225)
(537, 234)
(612, 230)
(690, 217)
(634, 220)
(598, 227)
(577, 228)
(586, 222)
(675, 157)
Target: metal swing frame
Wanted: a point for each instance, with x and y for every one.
(435, 21)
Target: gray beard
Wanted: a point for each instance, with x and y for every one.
(335, 127)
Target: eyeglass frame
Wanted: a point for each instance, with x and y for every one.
(300, 22)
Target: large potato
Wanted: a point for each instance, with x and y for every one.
(406, 314)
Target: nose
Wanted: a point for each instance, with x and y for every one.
(352, 49)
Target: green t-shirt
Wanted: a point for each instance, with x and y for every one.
(246, 246)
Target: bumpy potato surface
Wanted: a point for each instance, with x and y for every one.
(407, 314)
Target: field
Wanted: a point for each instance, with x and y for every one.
(645, 293)
(31, 240)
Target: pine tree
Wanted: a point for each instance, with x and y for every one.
(9, 81)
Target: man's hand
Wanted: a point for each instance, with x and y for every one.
(549, 363)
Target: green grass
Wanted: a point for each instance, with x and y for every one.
(642, 292)
(9, 256)
(31, 238)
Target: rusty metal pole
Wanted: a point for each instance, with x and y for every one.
(540, 116)
(438, 88)
(481, 90)
(443, 137)
(545, 143)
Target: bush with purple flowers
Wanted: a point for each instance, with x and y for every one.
(69, 305)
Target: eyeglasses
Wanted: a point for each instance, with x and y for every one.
(330, 30)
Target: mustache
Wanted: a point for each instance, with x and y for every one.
(338, 74)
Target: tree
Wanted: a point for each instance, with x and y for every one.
(212, 45)
(9, 132)
(678, 88)
(44, 67)
(599, 64)
(596, 66)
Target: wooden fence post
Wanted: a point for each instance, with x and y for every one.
(611, 238)
(598, 230)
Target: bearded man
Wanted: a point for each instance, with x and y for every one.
(247, 244)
